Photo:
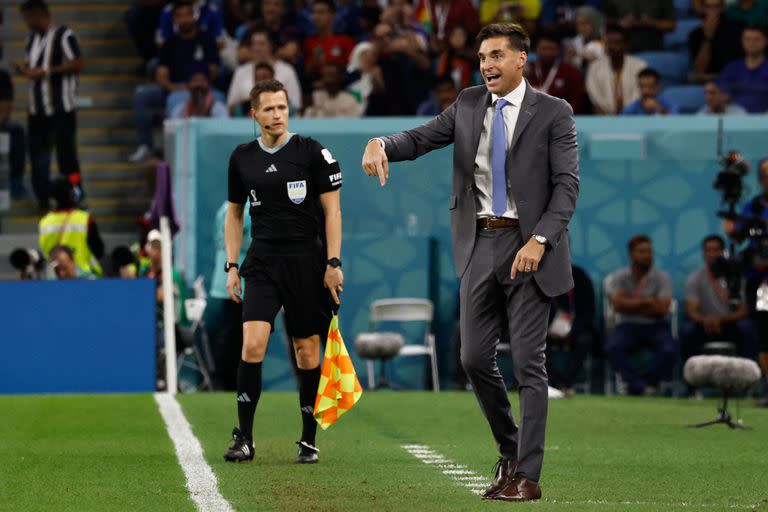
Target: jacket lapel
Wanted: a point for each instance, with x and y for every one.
(478, 116)
(527, 111)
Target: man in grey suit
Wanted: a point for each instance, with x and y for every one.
(515, 183)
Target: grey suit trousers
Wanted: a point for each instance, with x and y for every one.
(488, 299)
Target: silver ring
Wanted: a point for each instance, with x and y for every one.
(527, 269)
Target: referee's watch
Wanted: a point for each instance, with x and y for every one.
(229, 265)
(334, 263)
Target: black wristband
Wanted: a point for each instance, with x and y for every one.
(229, 265)
(334, 263)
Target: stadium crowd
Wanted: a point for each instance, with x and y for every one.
(352, 58)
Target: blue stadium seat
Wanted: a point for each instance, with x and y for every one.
(178, 97)
(672, 66)
(678, 40)
(688, 98)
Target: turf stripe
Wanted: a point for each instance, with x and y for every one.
(201, 481)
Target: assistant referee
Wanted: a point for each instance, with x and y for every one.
(291, 184)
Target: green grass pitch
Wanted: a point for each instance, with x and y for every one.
(112, 452)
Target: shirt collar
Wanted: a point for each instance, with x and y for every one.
(513, 98)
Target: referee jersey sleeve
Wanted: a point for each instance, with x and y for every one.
(326, 172)
(236, 191)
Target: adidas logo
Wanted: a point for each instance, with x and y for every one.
(271, 168)
(308, 409)
(243, 397)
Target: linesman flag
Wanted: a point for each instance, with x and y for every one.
(339, 388)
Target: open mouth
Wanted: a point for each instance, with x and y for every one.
(492, 79)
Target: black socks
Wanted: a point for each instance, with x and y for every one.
(309, 380)
(248, 393)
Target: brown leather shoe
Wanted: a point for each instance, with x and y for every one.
(519, 489)
(505, 472)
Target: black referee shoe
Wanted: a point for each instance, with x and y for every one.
(307, 453)
(241, 450)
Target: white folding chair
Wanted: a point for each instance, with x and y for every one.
(408, 310)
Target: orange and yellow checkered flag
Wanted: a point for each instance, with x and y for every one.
(339, 388)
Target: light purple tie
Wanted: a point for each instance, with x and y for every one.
(498, 158)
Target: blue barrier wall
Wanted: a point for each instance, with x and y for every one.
(650, 175)
(77, 336)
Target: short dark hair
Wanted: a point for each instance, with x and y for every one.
(444, 79)
(613, 28)
(34, 5)
(649, 72)
(330, 3)
(261, 86)
(62, 191)
(548, 36)
(637, 240)
(62, 248)
(264, 65)
(178, 4)
(757, 28)
(516, 35)
(713, 238)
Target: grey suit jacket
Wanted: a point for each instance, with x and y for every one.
(542, 173)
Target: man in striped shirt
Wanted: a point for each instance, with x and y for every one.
(52, 63)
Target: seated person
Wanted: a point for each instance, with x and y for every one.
(572, 328)
(715, 43)
(718, 102)
(746, 80)
(649, 103)
(710, 313)
(646, 21)
(444, 93)
(330, 99)
(641, 296)
(554, 76)
(63, 266)
(208, 16)
(201, 101)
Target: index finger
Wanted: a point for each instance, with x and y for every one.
(379, 164)
(514, 266)
(335, 296)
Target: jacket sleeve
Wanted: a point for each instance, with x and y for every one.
(434, 134)
(564, 176)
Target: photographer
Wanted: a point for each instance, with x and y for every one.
(710, 312)
(757, 269)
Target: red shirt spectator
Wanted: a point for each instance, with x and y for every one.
(444, 16)
(326, 47)
(550, 74)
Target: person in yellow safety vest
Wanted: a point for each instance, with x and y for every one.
(72, 227)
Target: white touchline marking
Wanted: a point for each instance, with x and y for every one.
(201, 480)
(475, 483)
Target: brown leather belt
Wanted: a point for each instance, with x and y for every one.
(496, 222)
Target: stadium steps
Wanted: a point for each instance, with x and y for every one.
(117, 191)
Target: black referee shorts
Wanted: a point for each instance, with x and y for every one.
(292, 278)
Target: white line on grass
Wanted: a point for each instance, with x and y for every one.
(201, 481)
(465, 477)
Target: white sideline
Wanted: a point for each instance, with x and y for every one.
(475, 483)
(201, 481)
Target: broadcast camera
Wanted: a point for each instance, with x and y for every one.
(29, 262)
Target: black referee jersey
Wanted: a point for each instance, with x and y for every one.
(282, 186)
(54, 93)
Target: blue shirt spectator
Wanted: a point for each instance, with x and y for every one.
(185, 56)
(649, 103)
(746, 80)
(209, 19)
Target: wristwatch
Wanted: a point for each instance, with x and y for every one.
(542, 240)
(230, 265)
(334, 263)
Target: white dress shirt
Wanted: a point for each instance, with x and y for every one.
(483, 175)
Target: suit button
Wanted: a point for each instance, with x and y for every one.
(469, 187)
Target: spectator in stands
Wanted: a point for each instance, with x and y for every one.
(641, 296)
(330, 99)
(62, 262)
(649, 103)
(399, 14)
(236, 13)
(327, 46)
(748, 12)
(572, 329)
(443, 16)
(347, 18)
(153, 268)
(444, 93)
(559, 15)
(458, 59)
(715, 43)
(52, 63)
(282, 31)
(550, 74)
(123, 263)
(70, 226)
(362, 64)
(587, 46)
(201, 101)
(16, 147)
(645, 21)
(718, 102)
(206, 14)
(612, 81)
(370, 15)
(141, 21)
(400, 77)
(188, 51)
(746, 80)
(708, 310)
(262, 53)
